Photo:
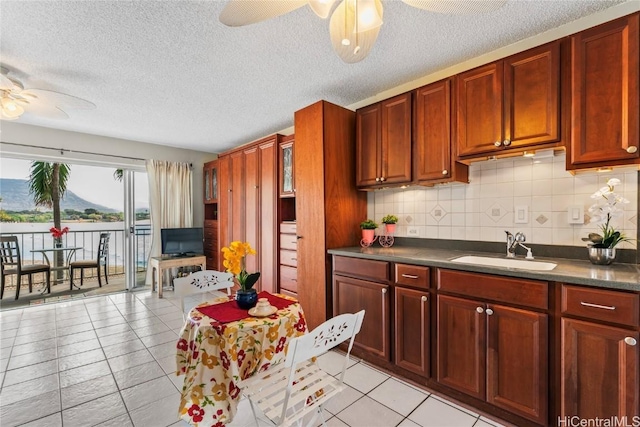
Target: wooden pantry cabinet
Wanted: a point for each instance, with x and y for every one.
(383, 143)
(511, 104)
(210, 177)
(248, 208)
(605, 95)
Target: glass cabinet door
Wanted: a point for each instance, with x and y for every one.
(207, 188)
(286, 180)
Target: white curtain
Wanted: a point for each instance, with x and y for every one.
(170, 198)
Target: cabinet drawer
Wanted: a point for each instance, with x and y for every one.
(288, 241)
(289, 293)
(288, 227)
(289, 278)
(531, 293)
(412, 275)
(289, 258)
(366, 268)
(601, 304)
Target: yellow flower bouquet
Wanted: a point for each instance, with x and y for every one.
(234, 262)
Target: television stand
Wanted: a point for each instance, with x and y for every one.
(160, 263)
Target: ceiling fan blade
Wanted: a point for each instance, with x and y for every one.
(5, 82)
(58, 99)
(242, 12)
(350, 46)
(46, 111)
(457, 6)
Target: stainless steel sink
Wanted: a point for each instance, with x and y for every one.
(506, 263)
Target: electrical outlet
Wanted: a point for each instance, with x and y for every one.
(412, 231)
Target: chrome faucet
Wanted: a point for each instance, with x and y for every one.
(514, 241)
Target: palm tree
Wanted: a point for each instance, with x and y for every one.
(48, 183)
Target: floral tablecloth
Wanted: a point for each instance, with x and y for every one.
(215, 356)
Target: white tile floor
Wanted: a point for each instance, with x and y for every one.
(110, 360)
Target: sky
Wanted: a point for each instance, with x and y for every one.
(95, 184)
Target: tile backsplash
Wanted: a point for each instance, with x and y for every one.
(515, 194)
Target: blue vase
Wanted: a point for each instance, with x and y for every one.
(246, 299)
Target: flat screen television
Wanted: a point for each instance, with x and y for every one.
(182, 241)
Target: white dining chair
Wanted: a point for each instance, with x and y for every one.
(201, 282)
(287, 392)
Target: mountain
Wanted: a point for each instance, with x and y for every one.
(15, 197)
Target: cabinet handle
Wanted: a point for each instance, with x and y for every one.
(424, 298)
(298, 237)
(506, 142)
(294, 259)
(489, 311)
(377, 179)
(604, 307)
(480, 310)
(498, 144)
(382, 179)
(631, 341)
(384, 291)
(444, 172)
(632, 150)
(409, 276)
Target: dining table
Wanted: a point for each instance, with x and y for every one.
(220, 345)
(70, 252)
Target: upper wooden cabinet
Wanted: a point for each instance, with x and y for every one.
(604, 103)
(210, 178)
(383, 143)
(510, 104)
(433, 151)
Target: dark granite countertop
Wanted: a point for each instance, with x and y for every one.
(580, 272)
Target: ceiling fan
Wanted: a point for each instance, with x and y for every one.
(15, 100)
(354, 24)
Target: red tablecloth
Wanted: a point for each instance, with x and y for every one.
(230, 312)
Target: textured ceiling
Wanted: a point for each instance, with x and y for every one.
(168, 72)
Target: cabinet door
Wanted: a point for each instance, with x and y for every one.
(479, 110)
(605, 94)
(287, 183)
(251, 207)
(395, 139)
(600, 371)
(236, 213)
(268, 229)
(461, 345)
(532, 97)
(368, 152)
(225, 213)
(412, 343)
(433, 131)
(517, 361)
(352, 295)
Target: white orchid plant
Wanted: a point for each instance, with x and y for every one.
(606, 208)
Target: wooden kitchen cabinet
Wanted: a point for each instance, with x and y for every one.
(383, 143)
(434, 151)
(511, 104)
(352, 295)
(412, 325)
(605, 95)
(491, 351)
(328, 206)
(287, 176)
(210, 182)
(600, 362)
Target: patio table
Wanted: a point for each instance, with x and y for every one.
(71, 250)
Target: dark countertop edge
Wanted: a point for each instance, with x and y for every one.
(567, 271)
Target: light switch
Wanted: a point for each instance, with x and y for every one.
(521, 215)
(575, 214)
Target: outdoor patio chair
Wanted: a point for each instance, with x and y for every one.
(101, 260)
(11, 263)
(201, 282)
(287, 392)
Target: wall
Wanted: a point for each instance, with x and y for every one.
(483, 209)
(34, 142)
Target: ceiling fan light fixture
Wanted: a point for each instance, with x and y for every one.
(322, 8)
(10, 108)
(351, 43)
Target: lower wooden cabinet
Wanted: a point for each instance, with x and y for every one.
(412, 324)
(494, 353)
(600, 371)
(352, 295)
